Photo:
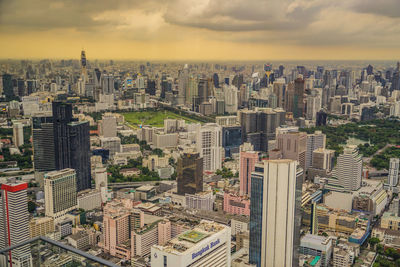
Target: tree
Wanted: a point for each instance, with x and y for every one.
(31, 206)
(373, 241)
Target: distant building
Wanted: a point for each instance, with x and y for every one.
(393, 177)
(18, 134)
(208, 144)
(190, 174)
(108, 125)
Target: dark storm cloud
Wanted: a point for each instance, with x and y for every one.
(388, 8)
(250, 15)
(52, 14)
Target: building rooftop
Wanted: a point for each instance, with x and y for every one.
(183, 243)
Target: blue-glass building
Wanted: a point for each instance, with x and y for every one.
(231, 139)
(256, 205)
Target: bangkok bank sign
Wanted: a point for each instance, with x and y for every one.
(205, 249)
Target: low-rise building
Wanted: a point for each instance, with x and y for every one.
(315, 245)
(89, 199)
(41, 226)
(235, 204)
(79, 240)
(200, 201)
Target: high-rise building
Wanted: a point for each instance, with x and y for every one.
(14, 223)
(8, 88)
(393, 177)
(275, 213)
(18, 134)
(247, 161)
(279, 90)
(314, 141)
(108, 125)
(293, 145)
(313, 106)
(298, 98)
(190, 174)
(258, 127)
(108, 84)
(346, 176)
(84, 74)
(60, 193)
(43, 144)
(71, 144)
(209, 145)
(119, 222)
(323, 159)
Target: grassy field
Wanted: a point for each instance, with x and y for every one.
(153, 118)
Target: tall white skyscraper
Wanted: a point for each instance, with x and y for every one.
(230, 98)
(275, 215)
(314, 141)
(14, 222)
(346, 176)
(208, 144)
(108, 84)
(313, 106)
(393, 177)
(18, 134)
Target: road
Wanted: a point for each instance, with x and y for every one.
(131, 184)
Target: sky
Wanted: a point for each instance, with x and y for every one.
(201, 29)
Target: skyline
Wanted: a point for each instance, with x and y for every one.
(201, 30)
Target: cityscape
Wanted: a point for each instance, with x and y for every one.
(199, 133)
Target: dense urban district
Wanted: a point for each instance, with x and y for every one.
(238, 164)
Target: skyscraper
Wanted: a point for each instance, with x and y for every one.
(313, 106)
(298, 98)
(346, 176)
(247, 161)
(190, 174)
(60, 193)
(43, 144)
(108, 84)
(393, 177)
(8, 88)
(84, 74)
(275, 214)
(208, 143)
(18, 134)
(293, 145)
(108, 125)
(62, 142)
(314, 141)
(14, 222)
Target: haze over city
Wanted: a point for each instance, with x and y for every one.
(199, 133)
(200, 30)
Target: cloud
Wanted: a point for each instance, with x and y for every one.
(312, 23)
(388, 8)
(53, 14)
(237, 15)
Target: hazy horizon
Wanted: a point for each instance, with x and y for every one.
(201, 30)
